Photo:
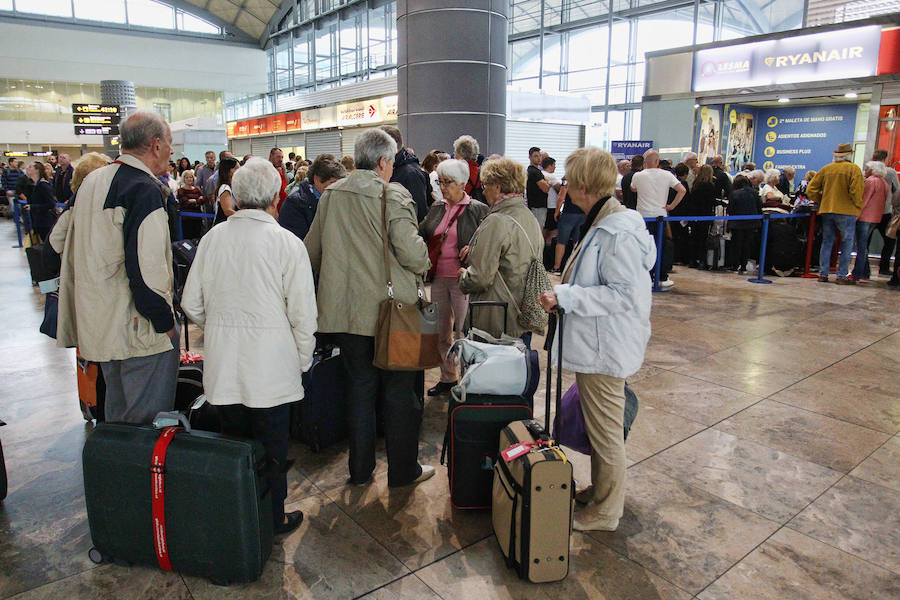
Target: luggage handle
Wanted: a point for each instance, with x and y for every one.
(558, 316)
(171, 419)
(488, 303)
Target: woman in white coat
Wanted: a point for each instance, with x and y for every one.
(605, 293)
(251, 289)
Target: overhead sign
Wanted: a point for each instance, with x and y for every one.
(96, 130)
(96, 119)
(22, 153)
(95, 109)
(627, 149)
(15, 154)
(47, 153)
(840, 54)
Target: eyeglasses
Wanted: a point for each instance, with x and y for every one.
(445, 181)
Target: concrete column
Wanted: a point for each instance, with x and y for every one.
(117, 91)
(451, 73)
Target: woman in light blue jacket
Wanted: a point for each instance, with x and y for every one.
(605, 292)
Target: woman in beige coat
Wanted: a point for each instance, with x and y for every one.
(346, 249)
(501, 250)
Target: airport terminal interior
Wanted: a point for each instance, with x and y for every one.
(764, 458)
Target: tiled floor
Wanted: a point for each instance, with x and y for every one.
(764, 463)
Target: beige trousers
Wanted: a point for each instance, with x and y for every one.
(452, 308)
(603, 406)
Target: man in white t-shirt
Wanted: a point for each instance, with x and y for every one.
(652, 187)
(548, 168)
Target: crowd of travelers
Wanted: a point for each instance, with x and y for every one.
(295, 257)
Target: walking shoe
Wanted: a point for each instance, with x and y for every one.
(442, 387)
(884, 273)
(291, 522)
(848, 280)
(585, 496)
(427, 473)
(863, 280)
(822, 279)
(666, 284)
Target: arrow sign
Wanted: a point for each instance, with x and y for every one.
(96, 119)
(95, 109)
(96, 130)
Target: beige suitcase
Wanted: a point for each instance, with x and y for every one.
(533, 497)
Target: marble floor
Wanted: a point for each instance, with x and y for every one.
(764, 463)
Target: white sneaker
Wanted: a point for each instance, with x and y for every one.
(666, 284)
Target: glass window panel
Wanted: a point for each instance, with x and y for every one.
(6, 5)
(589, 79)
(621, 41)
(526, 16)
(706, 18)
(148, 13)
(587, 48)
(575, 10)
(615, 126)
(109, 11)
(283, 63)
(53, 8)
(524, 58)
(188, 22)
(352, 33)
(551, 53)
(664, 31)
(326, 49)
(302, 56)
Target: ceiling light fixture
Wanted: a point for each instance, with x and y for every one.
(784, 100)
(851, 95)
(696, 106)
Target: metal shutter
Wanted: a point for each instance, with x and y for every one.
(260, 146)
(349, 137)
(240, 147)
(290, 140)
(556, 139)
(322, 142)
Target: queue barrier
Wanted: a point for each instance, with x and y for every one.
(660, 230)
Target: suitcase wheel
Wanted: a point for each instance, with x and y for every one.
(96, 556)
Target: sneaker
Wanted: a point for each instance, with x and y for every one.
(598, 525)
(442, 387)
(863, 280)
(585, 496)
(666, 284)
(291, 522)
(426, 474)
(848, 280)
(822, 279)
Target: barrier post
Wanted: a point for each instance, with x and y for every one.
(762, 253)
(18, 219)
(178, 231)
(657, 269)
(810, 240)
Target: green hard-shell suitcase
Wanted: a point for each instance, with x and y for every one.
(217, 517)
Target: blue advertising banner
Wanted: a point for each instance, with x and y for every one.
(627, 149)
(814, 57)
(803, 137)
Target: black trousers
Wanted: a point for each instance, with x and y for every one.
(699, 237)
(890, 245)
(271, 426)
(742, 246)
(666, 252)
(402, 407)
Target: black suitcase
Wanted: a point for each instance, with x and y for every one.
(320, 419)
(39, 272)
(470, 443)
(204, 509)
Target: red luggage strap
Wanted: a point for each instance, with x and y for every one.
(158, 476)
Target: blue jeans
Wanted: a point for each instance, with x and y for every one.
(832, 223)
(861, 267)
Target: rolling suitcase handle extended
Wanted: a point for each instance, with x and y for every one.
(558, 316)
(485, 304)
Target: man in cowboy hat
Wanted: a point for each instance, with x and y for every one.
(838, 188)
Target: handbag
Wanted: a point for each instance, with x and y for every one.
(436, 242)
(893, 226)
(531, 316)
(499, 366)
(569, 427)
(51, 310)
(406, 335)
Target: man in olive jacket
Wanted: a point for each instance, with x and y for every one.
(838, 188)
(346, 250)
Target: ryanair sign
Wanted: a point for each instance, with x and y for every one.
(814, 57)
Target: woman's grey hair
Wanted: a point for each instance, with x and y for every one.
(758, 174)
(466, 146)
(188, 172)
(773, 175)
(255, 184)
(326, 166)
(877, 168)
(457, 170)
(138, 130)
(371, 147)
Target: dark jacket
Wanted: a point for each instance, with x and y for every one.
(744, 201)
(722, 182)
(629, 198)
(409, 174)
(62, 182)
(299, 209)
(466, 223)
(685, 208)
(703, 199)
(11, 178)
(42, 205)
(784, 186)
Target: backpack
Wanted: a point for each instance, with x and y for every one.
(531, 316)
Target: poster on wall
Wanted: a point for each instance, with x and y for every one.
(802, 137)
(710, 132)
(739, 148)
